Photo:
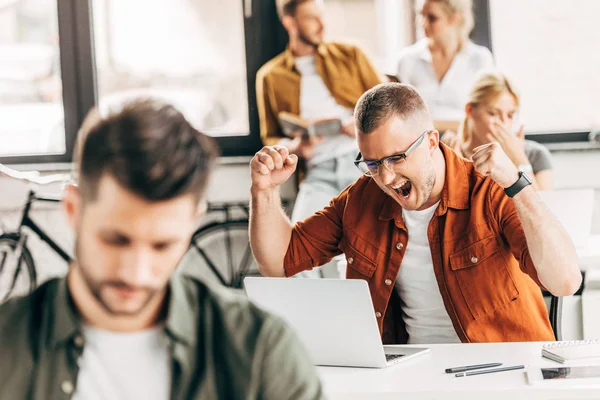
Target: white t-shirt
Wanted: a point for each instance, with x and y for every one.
(121, 366)
(425, 316)
(316, 102)
(446, 99)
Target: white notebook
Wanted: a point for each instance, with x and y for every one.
(577, 351)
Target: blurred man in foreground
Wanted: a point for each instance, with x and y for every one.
(122, 325)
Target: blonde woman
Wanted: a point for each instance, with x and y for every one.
(491, 116)
(442, 65)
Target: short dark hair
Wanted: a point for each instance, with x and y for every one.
(288, 7)
(148, 147)
(385, 100)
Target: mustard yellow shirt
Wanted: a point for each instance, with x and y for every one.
(345, 69)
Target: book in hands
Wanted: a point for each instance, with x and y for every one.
(294, 126)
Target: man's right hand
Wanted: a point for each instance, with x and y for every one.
(304, 147)
(272, 166)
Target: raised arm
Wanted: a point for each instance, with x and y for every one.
(281, 249)
(533, 233)
(549, 245)
(270, 229)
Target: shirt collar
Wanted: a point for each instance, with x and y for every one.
(392, 211)
(181, 317)
(180, 323)
(289, 61)
(423, 50)
(67, 322)
(455, 193)
(425, 55)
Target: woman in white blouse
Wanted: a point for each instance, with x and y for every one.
(442, 65)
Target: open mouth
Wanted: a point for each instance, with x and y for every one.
(403, 189)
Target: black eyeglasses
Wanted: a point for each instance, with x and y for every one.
(393, 163)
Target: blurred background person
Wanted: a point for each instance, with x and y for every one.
(442, 65)
(491, 115)
(315, 80)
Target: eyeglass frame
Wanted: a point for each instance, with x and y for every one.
(397, 156)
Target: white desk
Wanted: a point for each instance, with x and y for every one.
(424, 376)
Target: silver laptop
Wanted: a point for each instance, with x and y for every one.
(334, 319)
(574, 209)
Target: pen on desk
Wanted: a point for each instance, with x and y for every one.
(489, 371)
(471, 367)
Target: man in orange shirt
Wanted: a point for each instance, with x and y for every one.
(314, 80)
(453, 250)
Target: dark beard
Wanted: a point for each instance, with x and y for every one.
(95, 288)
(305, 39)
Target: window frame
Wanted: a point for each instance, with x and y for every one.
(264, 39)
(71, 44)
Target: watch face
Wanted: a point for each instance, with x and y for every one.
(526, 177)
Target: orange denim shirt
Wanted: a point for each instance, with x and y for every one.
(345, 69)
(483, 268)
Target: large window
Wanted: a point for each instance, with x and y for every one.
(31, 104)
(380, 27)
(550, 49)
(200, 55)
(190, 53)
(60, 57)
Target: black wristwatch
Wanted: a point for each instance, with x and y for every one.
(516, 187)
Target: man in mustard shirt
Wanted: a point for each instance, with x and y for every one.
(314, 80)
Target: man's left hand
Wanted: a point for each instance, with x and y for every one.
(490, 160)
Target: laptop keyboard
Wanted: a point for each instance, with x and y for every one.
(391, 357)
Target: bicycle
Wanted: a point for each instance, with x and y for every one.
(17, 268)
(224, 245)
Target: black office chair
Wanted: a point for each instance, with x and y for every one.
(554, 305)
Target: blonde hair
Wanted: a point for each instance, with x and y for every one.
(465, 9)
(488, 86)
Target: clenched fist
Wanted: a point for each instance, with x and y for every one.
(513, 145)
(490, 160)
(272, 166)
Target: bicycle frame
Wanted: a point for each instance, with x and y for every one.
(29, 223)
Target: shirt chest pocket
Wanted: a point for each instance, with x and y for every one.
(358, 265)
(483, 277)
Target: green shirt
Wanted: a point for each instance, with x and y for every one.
(222, 347)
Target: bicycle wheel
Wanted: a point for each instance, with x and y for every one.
(17, 277)
(224, 250)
